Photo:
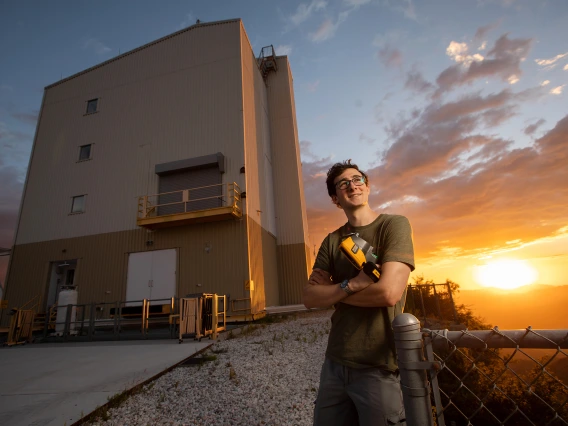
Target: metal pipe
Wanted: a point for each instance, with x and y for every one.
(413, 380)
(480, 339)
(67, 326)
(92, 314)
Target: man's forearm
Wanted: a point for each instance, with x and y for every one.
(371, 297)
(387, 291)
(322, 296)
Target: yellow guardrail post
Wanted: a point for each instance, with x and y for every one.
(215, 316)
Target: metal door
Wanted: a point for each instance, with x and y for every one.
(163, 274)
(151, 275)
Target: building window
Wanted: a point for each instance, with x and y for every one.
(85, 152)
(92, 106)
(78, 204)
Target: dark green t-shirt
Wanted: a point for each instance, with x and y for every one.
(363, 337)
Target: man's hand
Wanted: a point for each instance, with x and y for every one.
(320, 277)
(360, 282)
(320, 291)
(386, 292)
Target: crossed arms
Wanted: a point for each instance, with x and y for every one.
(321, 291)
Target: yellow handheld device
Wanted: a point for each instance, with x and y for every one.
(360, 254)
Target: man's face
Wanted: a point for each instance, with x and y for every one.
(352, 196)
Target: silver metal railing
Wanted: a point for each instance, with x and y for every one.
(482, 377)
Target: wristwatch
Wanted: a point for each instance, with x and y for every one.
(345, 287)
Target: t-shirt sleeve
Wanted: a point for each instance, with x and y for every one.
(323, 259)
(398, 242)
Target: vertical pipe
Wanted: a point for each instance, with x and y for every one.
(120, 318)
(224, 312)
(414, 383)
(82, 319)
(67, 327)
(452, 302)
(145, 311)
(116, 320)
(92, 321)
(46, 324)
(215, 315)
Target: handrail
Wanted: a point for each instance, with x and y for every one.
(190, 189)
(33, 308)
(233, 301)
(230, 199)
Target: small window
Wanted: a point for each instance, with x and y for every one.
(78, 204)
(92, 106)
(85, 152)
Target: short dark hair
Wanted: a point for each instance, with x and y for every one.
(336, 170)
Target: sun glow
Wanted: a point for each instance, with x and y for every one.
(505, 274)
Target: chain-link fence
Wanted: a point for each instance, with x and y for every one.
(482, 377)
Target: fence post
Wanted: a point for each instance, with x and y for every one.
(91, 321)
(116, 322)
(422, 302)
(452, 302)
(413, 380)
(67, 327)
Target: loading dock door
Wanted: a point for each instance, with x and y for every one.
(151, 275)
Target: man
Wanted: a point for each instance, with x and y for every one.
(359, 381)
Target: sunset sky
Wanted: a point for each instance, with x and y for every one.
(458, 110)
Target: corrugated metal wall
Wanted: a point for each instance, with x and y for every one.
(270, 266)
(294, 265)
(102, 261)
(258, 145)
(177, 98)
(261, 213)
(294, 257)
(292, 227)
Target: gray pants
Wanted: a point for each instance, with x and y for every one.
(351, 396)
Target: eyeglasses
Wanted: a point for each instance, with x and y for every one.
(344, 183)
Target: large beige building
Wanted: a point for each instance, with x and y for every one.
(169, 170)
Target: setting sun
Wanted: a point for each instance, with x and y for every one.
(505, 274)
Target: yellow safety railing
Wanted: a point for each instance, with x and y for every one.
(185, 200)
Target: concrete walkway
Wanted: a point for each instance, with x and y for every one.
(57, 384)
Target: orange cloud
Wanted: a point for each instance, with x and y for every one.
(502, 61)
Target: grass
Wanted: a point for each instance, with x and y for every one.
(207, 358)
(233, 376)
(249, 329)
(113, 402)
(274, 319)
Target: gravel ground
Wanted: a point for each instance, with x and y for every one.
(266, 375)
